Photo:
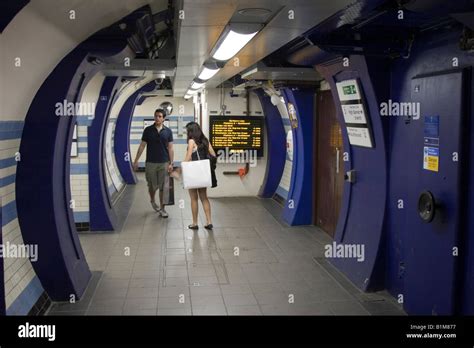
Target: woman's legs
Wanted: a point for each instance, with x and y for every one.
(193, 193)
(205, 203)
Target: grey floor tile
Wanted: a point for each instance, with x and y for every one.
(206, 300)
(176, 281)
(244, 310)
(176, 271)
(173, 302)
(109, 292)
(347, 308)
(105, 311)
(277, 298)
(205, 290)
(209, 310)
(173, 291)
(143, 283)
(140, 304)
(276, 263)
(69, 313)
(382, 308)
(236, 289)
(143, 292)
(239, 299)
(174, 311)
(107, 302)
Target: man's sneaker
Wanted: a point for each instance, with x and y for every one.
(163, 213)
(155, 206)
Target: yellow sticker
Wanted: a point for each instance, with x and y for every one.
(431, 158)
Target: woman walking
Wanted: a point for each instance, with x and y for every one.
(199, 144)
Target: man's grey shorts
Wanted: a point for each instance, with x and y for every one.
(155, 175)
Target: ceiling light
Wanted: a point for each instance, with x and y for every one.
(196, 85)
(254, 12)
(207, 73)
(233, 39)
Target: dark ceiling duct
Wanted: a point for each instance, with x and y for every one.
(310, 56)
(439, 7)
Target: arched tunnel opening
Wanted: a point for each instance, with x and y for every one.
(227, 158)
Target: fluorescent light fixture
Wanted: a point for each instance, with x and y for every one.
(232, 43)
(191, 92)
(207, 73)
(196, 85)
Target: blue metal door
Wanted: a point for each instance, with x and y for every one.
(431, 246)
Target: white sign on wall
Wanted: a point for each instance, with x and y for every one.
(354, 113)
(289, 144)
(359, 136)
(356, 120)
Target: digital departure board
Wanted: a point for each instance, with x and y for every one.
(236, 133)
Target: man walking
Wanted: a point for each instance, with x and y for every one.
(158, 141)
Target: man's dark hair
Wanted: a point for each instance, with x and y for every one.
(161, 111)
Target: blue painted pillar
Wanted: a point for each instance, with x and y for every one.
(298, 209)
(102, 215)
(276, 145)
(42, 181)
(122, 135)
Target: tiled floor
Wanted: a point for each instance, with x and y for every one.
(251, 264)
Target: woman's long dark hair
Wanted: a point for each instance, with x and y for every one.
(195, 132)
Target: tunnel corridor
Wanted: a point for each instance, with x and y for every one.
(192, 158)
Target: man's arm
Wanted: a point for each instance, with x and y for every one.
(139, 153)
(171, 155)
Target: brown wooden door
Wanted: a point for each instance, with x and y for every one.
(329, 167)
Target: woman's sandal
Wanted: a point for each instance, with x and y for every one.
(208, 227)
(193, 227)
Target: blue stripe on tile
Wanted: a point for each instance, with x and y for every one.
(11, 126)
(82, 150)
(9, 213)
(81, 216)
(84, 120)
(79, 168)
(82, 139)
(282, 192)
(7, 180)
(8, 135)
(7, 162)
(27, 299)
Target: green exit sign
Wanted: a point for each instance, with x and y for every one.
(349, 89)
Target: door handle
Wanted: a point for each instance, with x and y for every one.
(427, 206)
(337, 160)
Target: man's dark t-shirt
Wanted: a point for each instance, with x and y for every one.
(157, 143)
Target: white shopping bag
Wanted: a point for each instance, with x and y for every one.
(196, 174)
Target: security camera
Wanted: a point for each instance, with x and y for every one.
(160, 77)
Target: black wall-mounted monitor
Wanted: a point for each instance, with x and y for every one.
(237, 133)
